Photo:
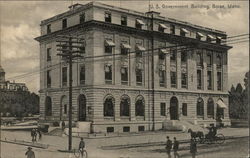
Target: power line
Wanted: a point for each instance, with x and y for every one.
(89, 57)
(238, 35)
(237, 42)
(52, 67)
(235, 39)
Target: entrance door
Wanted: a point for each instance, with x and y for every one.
(173, 108)
(82, 108)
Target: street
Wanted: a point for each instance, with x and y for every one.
(232, 148)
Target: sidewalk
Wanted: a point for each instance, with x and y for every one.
(94, 146)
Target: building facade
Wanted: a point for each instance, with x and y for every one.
(139, 69)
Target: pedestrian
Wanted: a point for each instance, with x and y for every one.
(32, 135)
(35, 135)
(176, 148)
(63, 125)
(168, 147)
(193, 148)
(39, 134)
(30, 153)
(81, 146)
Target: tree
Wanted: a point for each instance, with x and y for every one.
(19, 103)
(239, 89)
(238, 100)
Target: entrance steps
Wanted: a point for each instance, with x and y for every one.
(81, 129)
(180, 125)
(56, 132)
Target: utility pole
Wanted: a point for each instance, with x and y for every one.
(70, 50)
(152, 71)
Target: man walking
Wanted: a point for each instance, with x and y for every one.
(175, 148)
(81, 146)
(30, 153)
(193, 148)
(168, 147)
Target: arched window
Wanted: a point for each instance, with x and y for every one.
(108, 108)
(200, 107)
(220, 109)
(48, 106)
(174, 113)
(125, 106)
(139, 106)
(210, 108)
(82, 114)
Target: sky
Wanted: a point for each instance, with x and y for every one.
(20, 24)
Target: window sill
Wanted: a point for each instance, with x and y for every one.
(162, 85)
(111, 118)
(124, 83)
(108, 82)
(138, 83)
(124, 117)
(140, 118)
(82, 82)
(184, 87)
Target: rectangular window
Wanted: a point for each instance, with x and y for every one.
(138, 77)
(108, 74)
(82, 47)
(48, 54)
(219, 81)
(183, 80)
(172, 29)
(199, 35)
(82, 74)
(82, 18)
(209, 80)
(108, 49)
(64, 23)
(184, 109)
(48, 78)
(209, 59)
(183, 56)
(199, 59)
(173, 79)
(124, 20)
(64, 76)
(108, 45)
(126, 129)
(108, 17)
(141, 128)
(110, 129)
(161, 27)
(48, 28)
(182, 33)
(218, 61)
(163, 109)
(173, 55)
(138, 24)
(218, 40)
(199, 79)
(124, 75)
(162, 78)
(124, 51)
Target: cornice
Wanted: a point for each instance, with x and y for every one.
(90, 25)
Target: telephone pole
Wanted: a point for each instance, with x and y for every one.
(69, 49)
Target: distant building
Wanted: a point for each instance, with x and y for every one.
(7, 85)
(115, 93)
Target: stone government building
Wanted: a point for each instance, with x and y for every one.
(114, 93)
